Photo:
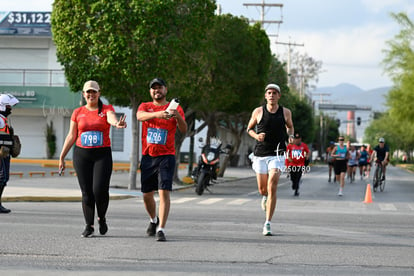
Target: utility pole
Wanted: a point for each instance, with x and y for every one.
(322, 124)
(289, 44)
(262, 20)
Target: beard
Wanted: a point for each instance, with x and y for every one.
(158, 96)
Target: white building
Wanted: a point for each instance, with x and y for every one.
(29, 70)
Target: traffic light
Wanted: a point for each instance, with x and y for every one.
(358, 121)
(338, 122)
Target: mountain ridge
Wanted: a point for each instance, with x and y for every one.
(346, 93)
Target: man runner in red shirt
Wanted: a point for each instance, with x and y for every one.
(158, 154)
(297, 153)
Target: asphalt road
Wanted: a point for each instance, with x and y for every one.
(219, 233)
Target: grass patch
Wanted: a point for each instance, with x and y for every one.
(409, 167)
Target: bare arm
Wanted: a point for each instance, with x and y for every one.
(289, 123)
(113, 120)
(145, 116)
(181, 123)
(254, 119)
(163, 114)
(373, 154)
(69, 141)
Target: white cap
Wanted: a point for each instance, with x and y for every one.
(381, 140)
(91, 85)
(7, 99)
(272, 86)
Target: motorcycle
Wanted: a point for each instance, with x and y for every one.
(205, 174)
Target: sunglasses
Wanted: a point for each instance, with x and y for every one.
(341, 140)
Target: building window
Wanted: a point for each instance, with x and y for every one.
(117, 137)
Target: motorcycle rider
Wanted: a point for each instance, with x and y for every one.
(6, 103)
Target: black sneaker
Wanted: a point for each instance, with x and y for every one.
(296, 193)
(4, 210)
(103, 227)
(88, 232)
(161, 236)
(152, 228)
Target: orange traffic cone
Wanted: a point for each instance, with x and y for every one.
(368, 196)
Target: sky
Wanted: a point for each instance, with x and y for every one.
(348, 37)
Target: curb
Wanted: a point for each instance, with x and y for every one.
(55, 198)
(123, 194)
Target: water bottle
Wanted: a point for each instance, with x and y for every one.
(173, 105)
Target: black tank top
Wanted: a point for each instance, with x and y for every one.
(274, 125)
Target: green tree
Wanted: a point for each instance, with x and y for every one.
(397, 124)
(235, 69)
(251, 60)
(304, 72)
(124, 44)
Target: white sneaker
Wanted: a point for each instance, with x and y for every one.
(266, 230)
(340, 192)
(263, 203)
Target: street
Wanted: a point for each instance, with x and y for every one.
(219, 233)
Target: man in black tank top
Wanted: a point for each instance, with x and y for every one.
(270, 125)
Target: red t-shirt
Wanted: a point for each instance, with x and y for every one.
(93, 128)
(158, 135)
(297, 154)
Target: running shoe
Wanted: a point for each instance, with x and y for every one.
(103, 227)
(266, 230)
(161, 236)
(340, 193)
(263, 203)
(152, 228)
(4, 210)
(296, 193)
(88, 232)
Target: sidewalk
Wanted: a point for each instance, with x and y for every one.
(66, 188)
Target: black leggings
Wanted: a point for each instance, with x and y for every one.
(295, 176)
(94, 169)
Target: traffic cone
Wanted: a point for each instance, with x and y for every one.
(368, 196)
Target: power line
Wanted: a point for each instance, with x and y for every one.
(262, 20)
(289, 44)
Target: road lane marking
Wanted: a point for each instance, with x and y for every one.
(239, 201)
(183, 200)
(387, 207)
(210, 201)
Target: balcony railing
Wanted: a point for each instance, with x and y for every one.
(32, 77)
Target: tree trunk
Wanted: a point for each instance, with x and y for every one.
(135, 148)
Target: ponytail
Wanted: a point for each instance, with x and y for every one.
(100, 104)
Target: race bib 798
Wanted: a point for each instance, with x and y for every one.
(92, 138)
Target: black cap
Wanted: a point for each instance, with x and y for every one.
(297, 136)
(158, 81)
